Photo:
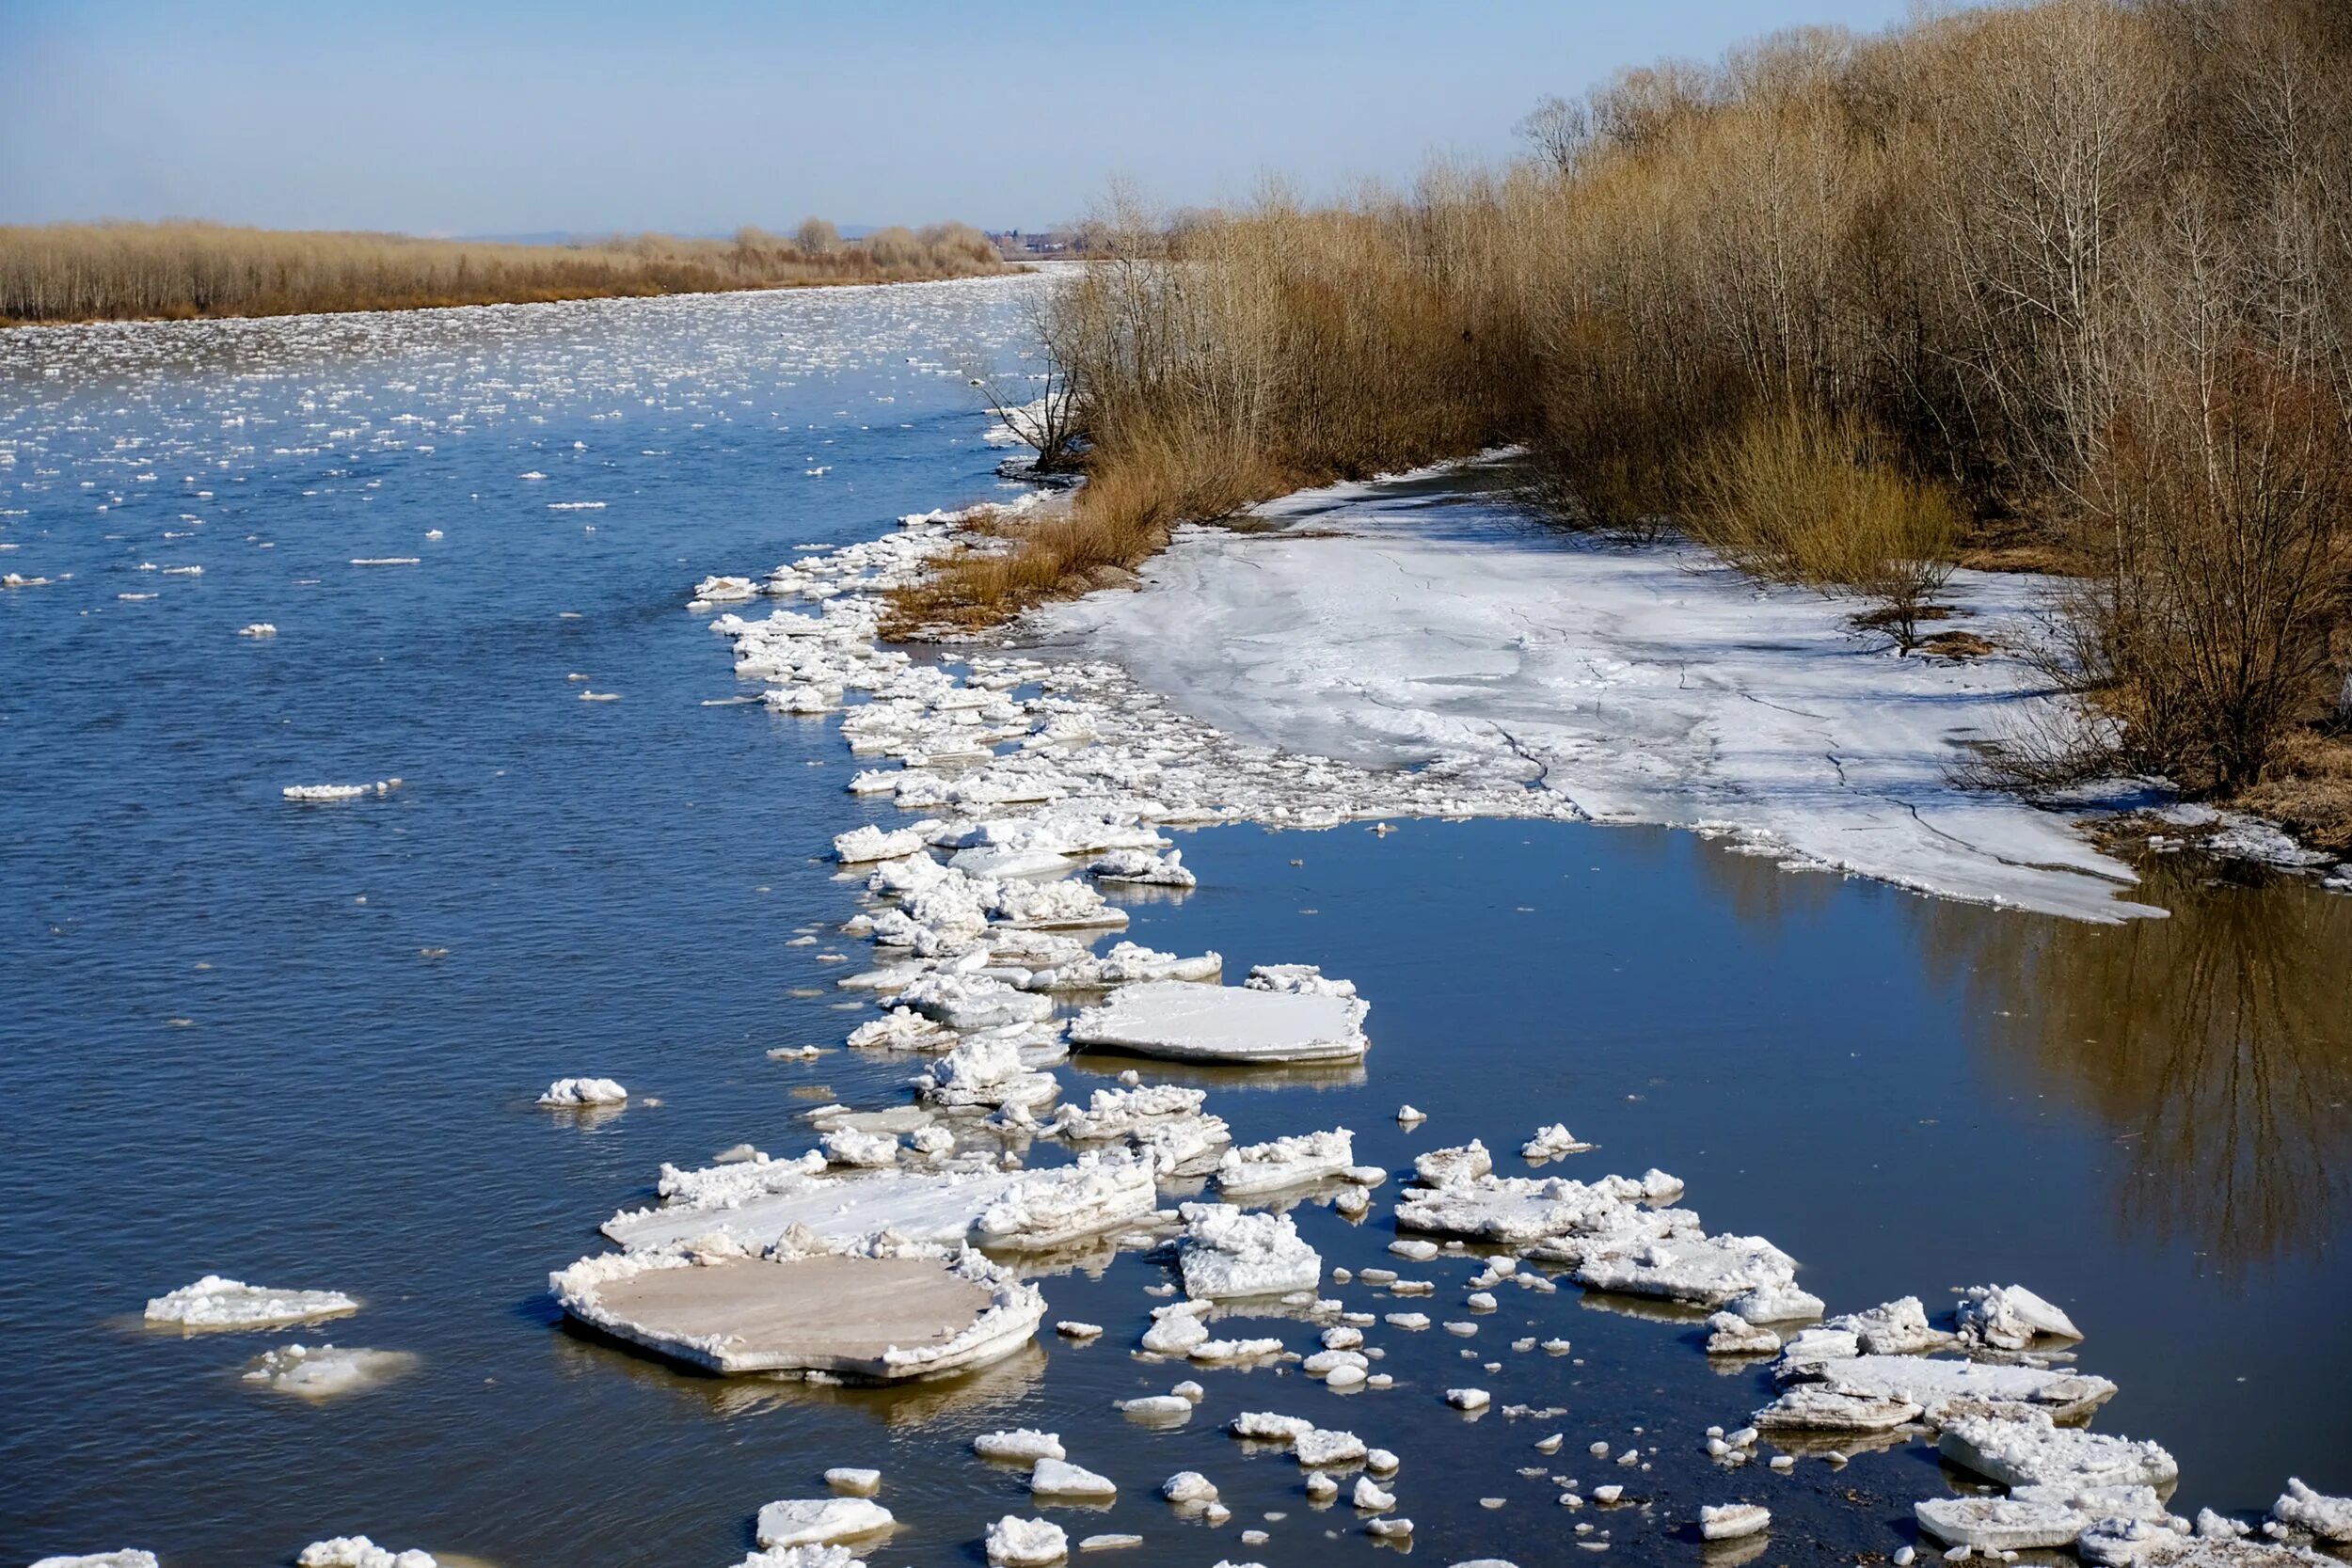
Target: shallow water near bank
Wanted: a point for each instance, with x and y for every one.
(298, 1044)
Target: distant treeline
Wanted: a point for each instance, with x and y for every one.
(176, 271)
(2067, 284)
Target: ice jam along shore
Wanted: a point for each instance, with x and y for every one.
(1026, 775)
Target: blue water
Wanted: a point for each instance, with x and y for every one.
(298, 1044)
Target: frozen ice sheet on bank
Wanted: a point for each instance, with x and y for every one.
(1420, 621)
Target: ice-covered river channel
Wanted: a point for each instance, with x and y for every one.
(299, 1044)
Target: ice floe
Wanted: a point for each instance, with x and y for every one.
(1232, 1252)
(820, 1521)
(567, 1093)
(1224, 1024)
(358, 1551)
(214, 1301)
(880, 1313)
(326, 1372)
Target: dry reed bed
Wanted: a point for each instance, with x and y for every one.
(177, 271)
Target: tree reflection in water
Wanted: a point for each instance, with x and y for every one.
(2215, 1045)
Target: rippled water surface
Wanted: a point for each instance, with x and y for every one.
(299, 1044)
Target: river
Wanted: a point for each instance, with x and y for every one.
(300, 1044)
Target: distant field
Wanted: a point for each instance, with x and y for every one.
(181, 271)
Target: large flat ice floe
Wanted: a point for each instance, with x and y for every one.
(1426, 619)
(882, 1316)
(1184, 1021)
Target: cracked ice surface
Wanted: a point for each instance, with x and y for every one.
(1418, 621)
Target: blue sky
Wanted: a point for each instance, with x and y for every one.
(696, 116)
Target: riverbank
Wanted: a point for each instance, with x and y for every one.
(67, 273)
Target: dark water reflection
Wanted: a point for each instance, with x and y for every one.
(2218, 1044)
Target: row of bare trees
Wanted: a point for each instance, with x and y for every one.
(2074, 278)
(85, 271)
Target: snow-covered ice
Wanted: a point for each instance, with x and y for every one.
(1224, 1024)
(1231, 1252)
(214, 1301)
(570, 1093)
(820, 1521)
(1420, 621)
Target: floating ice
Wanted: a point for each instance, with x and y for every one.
(1551, 1142)
(1287, 1162)
(1016, 1543)
(326, 1372)
(355, 1551)
(2010, 1317)
(2300, 1508)
(1732, 1520)
(1193, 1022)
(314, 794)
(1188, 1486)
(853, 1481)
(2034, 1517)
(2033, 1452)
(1047, 1208)
(1228, 1252)
(214, 1301)
(1023, 1444)
(128, 1557)
(820, 1521)
(907, 1312)
(567, 1093)
(1058, 1477)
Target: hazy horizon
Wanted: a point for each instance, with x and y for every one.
(526, 118)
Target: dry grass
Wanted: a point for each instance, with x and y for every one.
(178, 270)
(1797, 496)
(1117, 521)
(2309, 791)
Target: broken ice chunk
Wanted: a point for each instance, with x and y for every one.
(326, 1372)
(1023, 1444)
(2300, 1508)
(1058, 1477)
(1287, 1162)
(1017, 1543)
(817, 1521)
(1228, 1252)
(214, 1301)
(565, 1093)
(1732, 1520)
(2035, 1452)
(2010, 1317)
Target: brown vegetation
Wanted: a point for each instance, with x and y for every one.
(133, 271)
(2065, 284)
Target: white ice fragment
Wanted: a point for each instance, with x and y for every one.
(1732, 1520)
(818, 1521)
(1551, 1142)
(1287, 1162)
(2010, 1317)
(567, 1093)
(1188, 1486)
(1023, 1444)
(1370, 1498)
(1058, 1477)
(2301, 1508)
(853, 1481)
(1017, 1543)
(353, 1551)
(214, 1301)
(326, 1372)
(1228, 1252)
(1467, 1399)
(1317, 1448)
(2035, 1452)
